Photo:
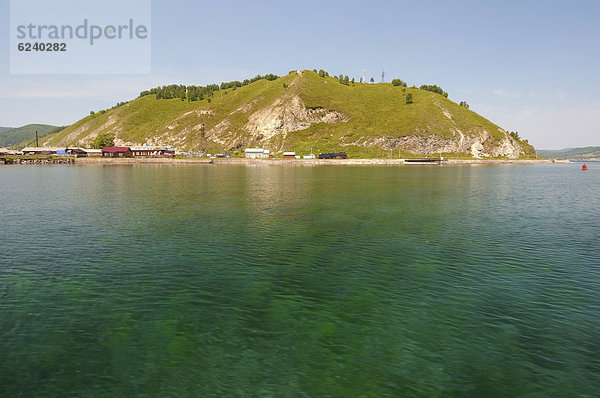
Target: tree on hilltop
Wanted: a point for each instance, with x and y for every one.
(434, 89)
(515, 135)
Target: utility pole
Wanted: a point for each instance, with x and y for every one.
(202, 137)
(383, 76)
(37, 144)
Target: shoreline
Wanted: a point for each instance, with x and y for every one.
(299, 162)
(270, 162)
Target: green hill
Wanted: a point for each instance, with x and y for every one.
(590, 152)
(300, 112)
(20, 136)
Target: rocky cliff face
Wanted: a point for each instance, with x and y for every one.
(272, 122)
(289, 114)
(480, 145)
(286, 115)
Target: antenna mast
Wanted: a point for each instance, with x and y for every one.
(383, 76)
(202, 137)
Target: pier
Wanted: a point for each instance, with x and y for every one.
(438, 161)
(36, 161)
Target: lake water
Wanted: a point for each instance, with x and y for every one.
(283, 281)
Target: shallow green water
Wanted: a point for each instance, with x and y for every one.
(299, 281)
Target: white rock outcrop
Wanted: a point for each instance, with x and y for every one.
(288, 114)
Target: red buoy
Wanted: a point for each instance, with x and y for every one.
(584, 167)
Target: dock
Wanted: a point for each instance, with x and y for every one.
(18, 160)
(432, 161)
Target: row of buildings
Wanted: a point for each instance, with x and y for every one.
(139, 152)
(106, 152)
(146, 151)
(259, 153)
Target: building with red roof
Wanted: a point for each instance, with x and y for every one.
(116, 152)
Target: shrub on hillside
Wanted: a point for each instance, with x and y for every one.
(434, 89)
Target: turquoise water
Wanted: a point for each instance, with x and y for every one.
(212, 281)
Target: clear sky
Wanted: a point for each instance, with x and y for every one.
(528, 66)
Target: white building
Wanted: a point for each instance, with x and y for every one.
(93, 153)
(42, 150)
(257, 153)
(6, 151)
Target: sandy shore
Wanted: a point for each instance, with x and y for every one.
(295, 162)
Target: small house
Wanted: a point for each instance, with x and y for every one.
(93, 153)
(257, 153)
(116, 152)
(77, 152)
(10, 152)
(289, 155)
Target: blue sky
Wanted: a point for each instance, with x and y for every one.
(529, 66)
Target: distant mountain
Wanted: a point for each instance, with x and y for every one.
(586, 153)
(303, 111)
(21, 136)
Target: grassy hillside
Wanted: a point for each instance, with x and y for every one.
(590, 152)
(10, 137)
(174, 120)
(364, 120)
(380, 110)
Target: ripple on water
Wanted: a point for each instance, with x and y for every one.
(224, 281)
